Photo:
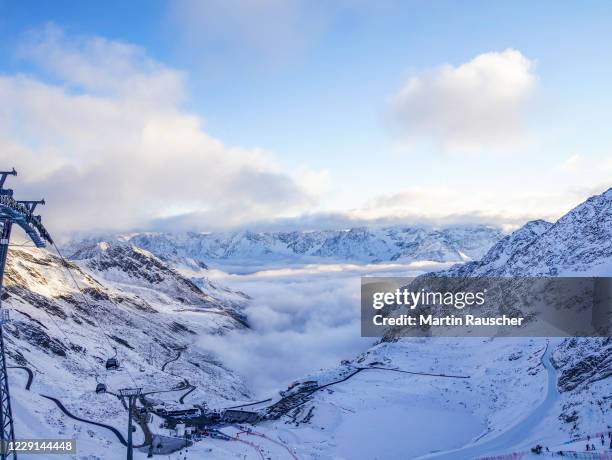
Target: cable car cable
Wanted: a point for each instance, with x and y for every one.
(91, 365)
(97, 323)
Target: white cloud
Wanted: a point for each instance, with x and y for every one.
(595, 166)
(476, 104)
(100, 132)
(318, 182)
(103, 137)
(469, 204)
(573, 163)
(101, 66)
(430, 206)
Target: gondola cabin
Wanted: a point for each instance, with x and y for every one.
(112, 364)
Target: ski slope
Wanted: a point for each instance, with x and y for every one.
(518, 435)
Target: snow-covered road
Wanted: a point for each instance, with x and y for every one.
(518, 434)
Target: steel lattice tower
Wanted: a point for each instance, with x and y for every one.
(20, 213)
(6, 414)
(131, 394)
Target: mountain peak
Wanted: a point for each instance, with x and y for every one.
(580, 241)
(103, 246)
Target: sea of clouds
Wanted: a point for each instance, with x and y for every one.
(303, 319)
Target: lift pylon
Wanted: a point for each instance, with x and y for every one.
(130, 394)
(20, 213)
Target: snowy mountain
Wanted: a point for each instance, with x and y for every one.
(130, 306)
(497, 257)
(115, 298)
(134, 268)
(501, 396)
(444, 398)
(359, 245)
(583, 362)
(39, 290)
(579, 242)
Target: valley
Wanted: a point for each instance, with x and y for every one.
(282, 345)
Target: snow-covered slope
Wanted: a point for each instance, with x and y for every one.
(578, 244)
(133, 307)
(417, 396)
(497, 257)
(508, 399)
(135, 269)
(364, 245)
(580, 241)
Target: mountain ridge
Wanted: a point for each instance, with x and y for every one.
(401, 244)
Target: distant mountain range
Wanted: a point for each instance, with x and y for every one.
(357, 245)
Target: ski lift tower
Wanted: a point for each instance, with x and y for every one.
(131, 394)
(22, 214)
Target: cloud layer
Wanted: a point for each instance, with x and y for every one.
(476, 104)
(102, 135)
(303, 319)
(99, 129)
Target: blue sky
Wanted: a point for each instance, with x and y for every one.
(315, 90)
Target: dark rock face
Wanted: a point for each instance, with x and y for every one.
(35, 299)
(36, 336)
(134, 263)
(178, 327)
(124, 262)
(581, 361)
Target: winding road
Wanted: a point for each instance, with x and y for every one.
(249, 404)
(182, 398)
(91, 422)
(63, 408)
(188, 386)
(178, 355)
(426, 374)
(30, 374)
